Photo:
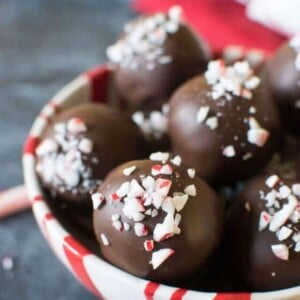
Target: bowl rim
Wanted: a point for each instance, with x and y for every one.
(93, 86)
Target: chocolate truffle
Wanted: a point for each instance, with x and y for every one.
(224, 123)
(155, 54)
(81, 146)
(156, 219)
(283, 77)
(263, 234)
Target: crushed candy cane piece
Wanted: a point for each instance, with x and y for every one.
(104, 239)
(229, 151)
(76, 125)
(264, 220)
(129, 171)
(272, 181)
(190, 190)
(149, 245)
(159, 156)
(97, 199)
(281, 251)
(160, 256)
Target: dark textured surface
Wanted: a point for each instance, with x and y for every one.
(43, 45)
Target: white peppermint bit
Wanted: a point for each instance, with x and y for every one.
(97, 199)
(46, 147)
(190, 190)
(272, 181)
(264, 220)
(212, 123)
(179, 201)
(257, 136)
(85, 146)
(104, 239)
(296, 189)
(176, 160)
(284, 191)
(283, 233)
(140, 229)
(159, 156)
(76, 125)
(202, 114)
(229, 151)
(160, 256)
(281, 251)
(115, 217)
(281, 216)
(129, 171)
(191, 172)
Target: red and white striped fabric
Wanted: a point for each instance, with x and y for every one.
(101, 278)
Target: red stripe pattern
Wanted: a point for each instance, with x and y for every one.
(30, 145)
(227, 296)
(178, 294)
(150, 290)
(75, 253)
(98, 78)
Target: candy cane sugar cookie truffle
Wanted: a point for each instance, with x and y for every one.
(263, 233)
(223, 123)
(156, 219)
(154, 55)
(283, 77)
(80, 147)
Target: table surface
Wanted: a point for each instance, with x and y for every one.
(43, 45)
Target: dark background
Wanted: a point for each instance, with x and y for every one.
(43, 45)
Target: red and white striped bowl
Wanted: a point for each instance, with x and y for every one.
(101, 278)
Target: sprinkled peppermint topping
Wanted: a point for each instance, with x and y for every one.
(76, 125)
(229, 151)
(160, 256)
(264, 220)
(150, 196)
(129, 171)
(281, 251)
(191, 172)
(153, 126)
(272, 181)
(85, 146)
(237, 80)
(256, 134)
(63, 160)
(202, 114)
(145, 37)
(191, 190)
(97, 199)
(176, 160)
(46, 147)
(281, 215)
(159, 156)
(149, 245)
(295, 43)
(212, 123)
(104, 239)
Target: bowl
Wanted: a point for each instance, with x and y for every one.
(98, 276)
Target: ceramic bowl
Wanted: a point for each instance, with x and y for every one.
(98, 276)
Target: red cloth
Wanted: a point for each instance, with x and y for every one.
(220, 22)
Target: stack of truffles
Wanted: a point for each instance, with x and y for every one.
(150, 178)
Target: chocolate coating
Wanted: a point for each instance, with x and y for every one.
(203, 145)
(200, 226)
(284, 82)
(250, 252)
(75, 162)
(147, 83)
